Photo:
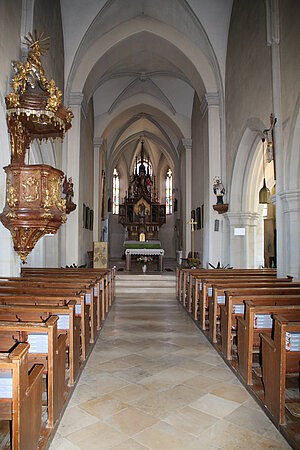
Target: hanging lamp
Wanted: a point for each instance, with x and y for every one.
(264, 193)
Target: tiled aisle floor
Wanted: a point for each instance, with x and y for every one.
(154, 382)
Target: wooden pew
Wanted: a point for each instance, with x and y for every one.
(58, 286)
(200, 291)
(234, 307)
(33, 295)
(23, 406)
(52, 356)
(67, 324)
(206, 292)
(248, 334)
(218, 295)
(108, 274)
(277, 361)
(105, 278)
(185, 273)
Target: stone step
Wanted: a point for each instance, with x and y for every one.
(137, 283)
(145, 277)
(142, 289)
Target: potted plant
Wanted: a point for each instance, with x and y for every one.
(144, 260)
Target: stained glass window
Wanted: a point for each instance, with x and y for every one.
(169, 188)
(116, 192)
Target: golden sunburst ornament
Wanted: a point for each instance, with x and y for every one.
(38, 43)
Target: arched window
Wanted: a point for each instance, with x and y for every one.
(116, 192)
(169, 188)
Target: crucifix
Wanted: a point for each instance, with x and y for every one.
(192, 223)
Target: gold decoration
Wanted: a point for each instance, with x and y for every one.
(34, 205)
(12, 198)
(30, 191)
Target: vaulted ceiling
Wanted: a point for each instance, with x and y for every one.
(141, 61)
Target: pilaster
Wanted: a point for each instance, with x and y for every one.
(212, 240)
(97, 189)
(291, 225)
(72, 169)
(273, 40)
(187, 235)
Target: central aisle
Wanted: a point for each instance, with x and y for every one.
(153, 381)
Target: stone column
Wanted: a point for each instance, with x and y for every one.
(291, 224)
(186, 213)
(212, 240)
(72, 169)
(273, 40)
(97, 189)
(242, 234)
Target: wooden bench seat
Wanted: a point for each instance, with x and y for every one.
(34, 295)
(248, 333)
(278, 361)
(234, 307)
(53, 286)
(67, 324)
(23, 405)
(108, 275)
(52, 354)
(185, 274)
(207, 295)
(203, 288)
(218, 296)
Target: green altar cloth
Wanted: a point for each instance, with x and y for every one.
(141, 245)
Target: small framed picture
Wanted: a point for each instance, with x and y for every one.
(83, 215)
(87, 218)
(202, 216)
(91, 220)
(198, 217)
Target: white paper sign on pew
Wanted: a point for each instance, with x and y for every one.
(88, 298)
(238, 309)
(292, 342)
(263, 321)
(63, 322)
(38, 343)
(221, 299)
(6, 384)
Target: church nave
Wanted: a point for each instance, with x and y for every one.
(153, 381)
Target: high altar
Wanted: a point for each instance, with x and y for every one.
(141, 213)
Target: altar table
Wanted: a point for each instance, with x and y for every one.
(144, 251)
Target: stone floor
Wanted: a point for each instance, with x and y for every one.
(154, 382)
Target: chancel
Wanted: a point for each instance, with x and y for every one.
(141, 213)
(149, 224)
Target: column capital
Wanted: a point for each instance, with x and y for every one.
(187, 143)
(98, 141)
(209, 99)
(78, 99)
(290, 200)
(237, 219)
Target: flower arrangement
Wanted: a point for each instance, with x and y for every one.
(144, 260)
(194, 262)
